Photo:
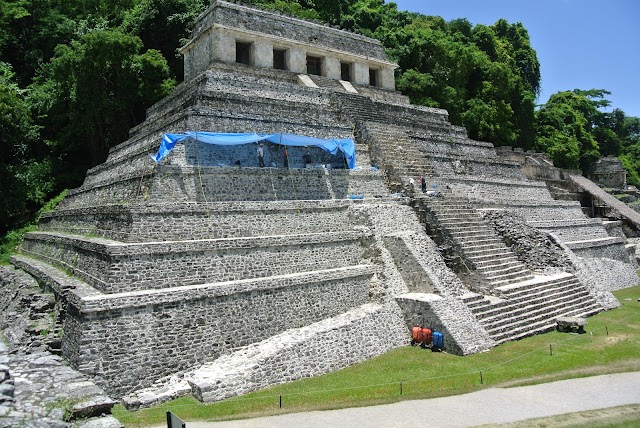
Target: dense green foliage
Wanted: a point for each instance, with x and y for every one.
(76, 75)
(574, 131)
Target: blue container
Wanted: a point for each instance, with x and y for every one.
(438, 340)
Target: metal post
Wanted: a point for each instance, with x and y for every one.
(281, 401)
(481, 377)
(400, 388)
(607, 329)
(550, 350)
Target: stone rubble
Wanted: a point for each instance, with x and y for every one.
(37, 387)
(536, 249)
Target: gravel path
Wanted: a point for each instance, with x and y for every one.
(493, 405)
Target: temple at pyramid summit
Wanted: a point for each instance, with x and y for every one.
(286, 213)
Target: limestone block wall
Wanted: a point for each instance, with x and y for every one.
(116, 268)
(261, 184)
(578, 232)
(397, 230)
(325, 346)
(126, 190)
(154, 334)
(446, 166)
(304, 32)
(496, 189)
(443, 144)
(552, 210)
(166, 183)
(182, 221)
(613, 249)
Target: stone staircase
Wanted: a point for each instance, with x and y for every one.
(532, 306)
(480, 244)
(392, 147)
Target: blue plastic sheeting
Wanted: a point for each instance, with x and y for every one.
(332, 146)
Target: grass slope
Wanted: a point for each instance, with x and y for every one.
(612, 344)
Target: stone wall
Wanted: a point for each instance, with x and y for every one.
(611, 249)
(451, 166)
(115, 268)
(180, 221)
(493, 189)
(155, 333)
(167, 183)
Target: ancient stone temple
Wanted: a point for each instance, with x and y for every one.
(206, 274)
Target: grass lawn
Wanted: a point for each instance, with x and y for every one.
(612, 344)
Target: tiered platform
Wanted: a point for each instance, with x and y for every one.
(226, 277)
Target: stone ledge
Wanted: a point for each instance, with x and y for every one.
(591, 243)
(116, 248)
(110, 302)
(231, 207)
(87, 299)
(459, 141)
(496, 181)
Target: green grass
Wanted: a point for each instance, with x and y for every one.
(424, 374)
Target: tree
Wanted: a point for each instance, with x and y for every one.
(25, 173)
(566, 127)
(163, 25)
(94, 90)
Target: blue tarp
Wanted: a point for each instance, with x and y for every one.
(332, 146)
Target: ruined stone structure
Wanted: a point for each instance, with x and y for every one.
(208, 275)
(609, 172)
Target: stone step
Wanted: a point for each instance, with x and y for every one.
(543, 323)
(473, 242)
(494, 260)
(544, 326)
(536, 307)
(514, 292)
(522, 272)
(481, 252)
(466, 226)
(535, 313)
(464, 239)
(497, 283)
(500, 269)
(471, 231)
(546, 293)
(454, 210)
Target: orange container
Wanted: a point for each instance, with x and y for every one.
(416, 334)
(427, 336)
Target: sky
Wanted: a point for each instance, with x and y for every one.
(581, 44)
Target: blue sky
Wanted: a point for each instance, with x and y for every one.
(583, 44)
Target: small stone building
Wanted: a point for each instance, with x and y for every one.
(233, 33)
(609, 172)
